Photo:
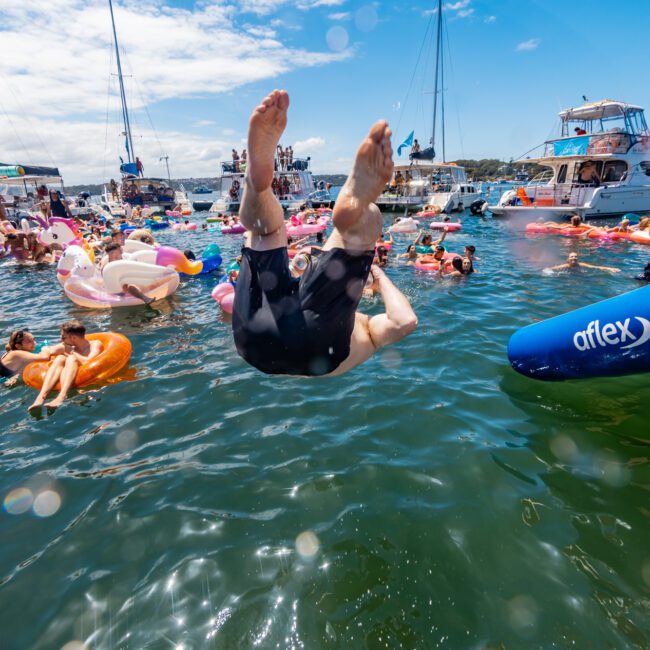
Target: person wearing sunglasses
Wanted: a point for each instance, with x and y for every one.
(21, 351)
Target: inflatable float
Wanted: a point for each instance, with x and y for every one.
(406, 225)
(434, 267)
(234, 229)
(607, 338)
(115, 354)
(542, 228)
(441, 225)
(297, 229)
(224, 295)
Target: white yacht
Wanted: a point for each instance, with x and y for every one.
(424, 182)
(294, 184)
(598, 167)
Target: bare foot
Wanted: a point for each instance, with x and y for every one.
(371, 171)
(55, 403)
(266, 125)
(36, 406)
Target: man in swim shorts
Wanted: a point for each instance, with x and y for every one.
(76, 350)
(309, 325)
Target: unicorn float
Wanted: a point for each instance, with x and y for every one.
(153, 270)
(64, 232)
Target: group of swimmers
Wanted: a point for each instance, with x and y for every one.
(66, 357)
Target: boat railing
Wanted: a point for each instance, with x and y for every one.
(283, 165)
(590, 144)
(556, 195)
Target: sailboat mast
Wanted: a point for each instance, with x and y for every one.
(125, 111)
(442, 99)
(435, 88)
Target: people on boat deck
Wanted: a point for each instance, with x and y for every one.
(139, 166)
(310, 326)
(579, 131)
(415, 147)
(58, 205)
(235, 160)
(573, 264)
(113, 186)
(75, 350)
(21, 351)
(587, 174)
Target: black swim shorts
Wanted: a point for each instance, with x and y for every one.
(288, 326)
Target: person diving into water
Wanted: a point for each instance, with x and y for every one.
(309, 325)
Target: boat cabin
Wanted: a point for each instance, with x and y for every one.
(21, 186)
(141, 191)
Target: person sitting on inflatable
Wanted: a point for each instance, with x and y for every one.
(411, 254)
(113, 254)
(76, 350)
(438, 255)
(424, 244)
(143, 235)
(623, 226)
(572, 264)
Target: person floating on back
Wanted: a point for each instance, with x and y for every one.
(309, 325)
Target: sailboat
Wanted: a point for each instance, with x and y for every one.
(154, 193)
(423, 182)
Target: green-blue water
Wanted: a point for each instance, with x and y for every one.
(431, 498)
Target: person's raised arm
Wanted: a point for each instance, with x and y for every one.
(399, 320)
(611, 269)
(444, 234)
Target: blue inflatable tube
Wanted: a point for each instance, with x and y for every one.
(605, 339)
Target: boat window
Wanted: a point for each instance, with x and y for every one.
(613, 171)
(561, 175)
(645, 166)
(462, 189)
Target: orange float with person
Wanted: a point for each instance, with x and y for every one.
(114, 356)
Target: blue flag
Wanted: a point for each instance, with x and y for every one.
(407, 143)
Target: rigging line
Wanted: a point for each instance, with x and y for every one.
(108, 101)
(424, 42)
(25, 115)
(435, 83)
(22, 144)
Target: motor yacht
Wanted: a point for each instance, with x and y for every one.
(598, 167)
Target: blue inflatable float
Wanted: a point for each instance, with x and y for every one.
(608, 338)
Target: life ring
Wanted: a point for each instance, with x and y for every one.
(115, 354)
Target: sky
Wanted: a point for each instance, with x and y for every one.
(195, 70)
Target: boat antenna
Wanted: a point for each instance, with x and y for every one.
(125, 111)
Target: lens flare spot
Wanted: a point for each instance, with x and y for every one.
(75, 645)
(307, 544)
(366, 18)
(337, 38)
(47, 503)
(18, 501)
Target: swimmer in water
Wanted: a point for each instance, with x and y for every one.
(21, 351)
(645, 276)
(310, 326)
(460, 266)
(573, 264)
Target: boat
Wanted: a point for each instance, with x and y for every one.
(321, 198)
(202, 189)
(201, 206)
(134, 189)
(424, 181)
(19, 185)
(294, 180)
(608, 137)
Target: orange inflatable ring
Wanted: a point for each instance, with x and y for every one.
(115, 354)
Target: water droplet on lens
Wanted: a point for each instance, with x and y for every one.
(307, 544)
(18, 501)
(47, 503)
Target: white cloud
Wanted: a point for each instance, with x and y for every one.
(460, 9)
(204, 123)
(265, 7)
(228, 132)
(341, 15)
(490, 19)
(306, 147)
(59, 89)
(530, 44)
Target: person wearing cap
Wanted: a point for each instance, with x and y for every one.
(579, 131)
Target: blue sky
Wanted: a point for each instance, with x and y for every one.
(511, 66)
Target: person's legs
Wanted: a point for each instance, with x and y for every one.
(357, 220)
(68, 375)
(51, 377)
(260, 211)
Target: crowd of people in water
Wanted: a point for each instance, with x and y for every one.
(305, 321)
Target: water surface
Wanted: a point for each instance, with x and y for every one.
(432, 498)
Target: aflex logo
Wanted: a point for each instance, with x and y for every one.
(611, 334)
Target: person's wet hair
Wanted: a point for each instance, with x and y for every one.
(74, 327)
(16, 338)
